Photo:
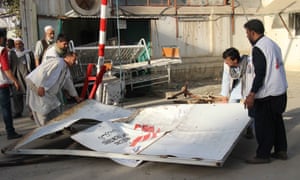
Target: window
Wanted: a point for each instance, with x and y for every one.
(294, 23)
(297, 24)
(159, 2)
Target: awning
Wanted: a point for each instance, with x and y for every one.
(277, 6)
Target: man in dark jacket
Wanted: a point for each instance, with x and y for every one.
(21, 63)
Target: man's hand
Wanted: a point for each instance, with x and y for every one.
(78, 99)
(10, 75)
(16, 84)
(249, 102)
(41, 91)
(224, 99)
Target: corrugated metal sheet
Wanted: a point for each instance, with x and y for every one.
(52, 8)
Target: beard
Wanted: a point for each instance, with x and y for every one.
(252, 42)
(50, 40)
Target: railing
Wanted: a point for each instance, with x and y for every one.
(116, 55)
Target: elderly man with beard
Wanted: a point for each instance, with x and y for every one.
(42, 45)
(21, 63)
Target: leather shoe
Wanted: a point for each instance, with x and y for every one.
(14, 136)
(256, 160)
(279, 155)
(249, 133)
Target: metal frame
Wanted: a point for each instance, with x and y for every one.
(87, 153)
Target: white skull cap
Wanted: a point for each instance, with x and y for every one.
(18, 39)
(47, 28)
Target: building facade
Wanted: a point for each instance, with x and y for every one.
(200, 28)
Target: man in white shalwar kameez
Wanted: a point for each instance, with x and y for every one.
(45, 82)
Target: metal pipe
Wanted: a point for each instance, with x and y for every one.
(232, 17)
(102, 33)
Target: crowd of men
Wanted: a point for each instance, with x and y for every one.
(34, 79)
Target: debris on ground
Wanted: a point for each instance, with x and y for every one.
(190, 98)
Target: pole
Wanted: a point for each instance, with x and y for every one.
(101, 45)
(102, 33)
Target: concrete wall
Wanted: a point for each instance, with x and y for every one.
(197, 69)
(211, 38)
(290, 44)
(194, 38)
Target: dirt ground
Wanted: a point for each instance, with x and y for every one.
(100, 168)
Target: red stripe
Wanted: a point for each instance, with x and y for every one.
(88, 73)
(101, 50)
(4, 85)
(136, 140)
(103, 2)
(102, 28)
(99, 79)
(103, 25)
(146, 137)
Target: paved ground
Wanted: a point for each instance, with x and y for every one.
(234, 167)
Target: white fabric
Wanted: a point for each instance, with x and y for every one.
(53, 76)
(21, 53)
(39, 48)
(50, 54)
(247, 80)
(225, 86)
(46, 28)
(18, 39)
(25, 53)
(275, 82)
(3, 78)
(242, 89)
(233, 94)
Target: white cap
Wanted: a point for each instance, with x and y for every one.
(18, 39)
(46, 28)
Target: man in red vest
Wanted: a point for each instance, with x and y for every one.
(6, 78)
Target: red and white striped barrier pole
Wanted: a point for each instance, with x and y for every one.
(102, 32)
(101, 46)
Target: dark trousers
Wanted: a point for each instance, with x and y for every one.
(18, 102)
(269, 125)
(6, 110)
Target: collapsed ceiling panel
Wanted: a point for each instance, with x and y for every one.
(89, 109)
(197, 134)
